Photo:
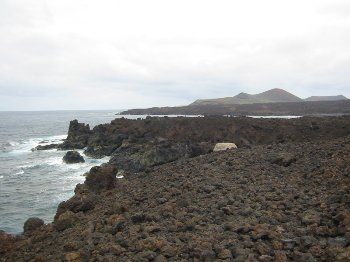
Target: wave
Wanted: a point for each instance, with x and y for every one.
(21, 172)
(25, 146)
(57, 161)
(12, 143)
(54, 161)
(32, 166)
(42, 163)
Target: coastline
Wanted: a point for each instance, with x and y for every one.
(311, 108)
(189, 204)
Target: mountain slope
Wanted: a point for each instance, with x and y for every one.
(258, 109)
(326, 98)
(271, 96)
(277, 95)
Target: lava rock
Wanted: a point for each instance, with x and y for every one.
(101, 178)
(65, 220)
(32, 223)
(229, 205)
(311, 217)
(78, 136)
(137, 158)
(337, 242)
(76, 204)
(6, 242)
(73, 157)
(284, 159)
(45, 147)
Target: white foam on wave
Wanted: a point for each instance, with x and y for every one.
(21, 172)
(30, 166)
(54, 161)
(25, 146)
(76, 166)
(1, 177)
(52, 139)
(12, 143)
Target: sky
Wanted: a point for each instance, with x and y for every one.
(113, 54)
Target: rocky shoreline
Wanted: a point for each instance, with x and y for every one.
(282, 195)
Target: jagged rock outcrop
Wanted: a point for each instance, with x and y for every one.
(98, 179)
(73, 157)
(78, 136)
(103, 143)
(135, 145)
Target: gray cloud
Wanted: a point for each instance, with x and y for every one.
(87, 55)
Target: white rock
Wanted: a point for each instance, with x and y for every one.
(224, 146)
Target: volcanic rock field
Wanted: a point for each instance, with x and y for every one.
(282, 195)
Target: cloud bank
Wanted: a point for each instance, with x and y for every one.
(86, 54)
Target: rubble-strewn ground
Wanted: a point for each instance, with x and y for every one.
(275, 202)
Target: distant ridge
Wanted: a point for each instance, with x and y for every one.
(272, 102)
(275, 95)
(326, 98)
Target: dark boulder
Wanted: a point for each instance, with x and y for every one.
(101, 178)
(72, 157)
(45, 147)
(32, 223)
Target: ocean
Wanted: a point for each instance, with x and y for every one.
(32, 184)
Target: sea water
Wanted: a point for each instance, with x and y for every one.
(33, 183)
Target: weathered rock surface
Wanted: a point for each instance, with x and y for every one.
(65, 220)
(224, 146)
(45, 147)
(136, 145)
(73, 157)
(213, 207)
(101, 178)
(32, 223)
(78, 136)
(7, 244)
(137, 157)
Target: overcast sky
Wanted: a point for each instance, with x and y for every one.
(84, 54)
